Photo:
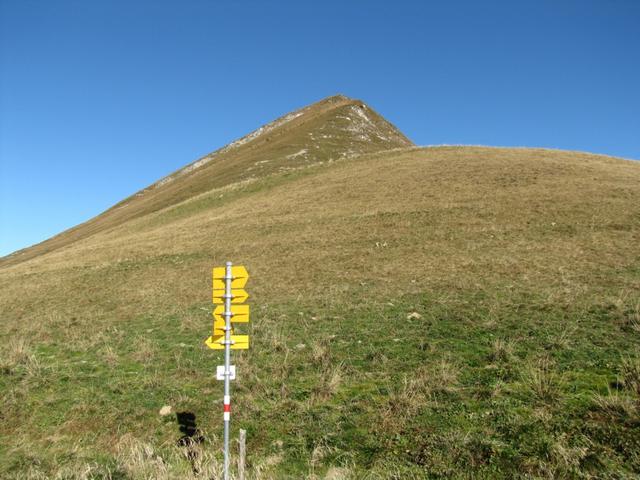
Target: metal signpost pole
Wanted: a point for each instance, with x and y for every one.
(227, 367)
(228, 295)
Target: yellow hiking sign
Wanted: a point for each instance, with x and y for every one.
(228, 293)
(239, 313)
(238, 342)
(238, 295)
(239, 277)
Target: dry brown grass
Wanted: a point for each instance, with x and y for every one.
(557, 221)
(18, 354)
(616, 405)
(501, 350)
(328, 382)
(630, 370)
(418, 390)
(541, 378)
(321, 354)
(144, 351)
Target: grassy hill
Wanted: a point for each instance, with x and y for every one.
(444, 312)
(334, 128)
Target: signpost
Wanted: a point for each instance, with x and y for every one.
(228, 294)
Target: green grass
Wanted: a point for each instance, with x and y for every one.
(471, 388)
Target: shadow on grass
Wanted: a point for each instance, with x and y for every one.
(191, 437)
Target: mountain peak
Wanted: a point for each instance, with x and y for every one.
(338, 97)
(349, 122)
(333, 128)
(329, 129)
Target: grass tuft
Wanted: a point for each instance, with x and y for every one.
(616, 406)
(630, 370)
(542, 380)
(501, 351)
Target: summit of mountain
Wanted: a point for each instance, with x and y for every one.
(336, 127)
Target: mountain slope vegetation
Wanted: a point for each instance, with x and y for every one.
(333, 128)
(440, 312)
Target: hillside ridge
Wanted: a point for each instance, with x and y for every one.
(334, 127)
(322, 106)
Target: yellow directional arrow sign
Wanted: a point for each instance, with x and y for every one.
(239, 276)
(218, 327)
(240, 342)
(240, 313)
(238, 295)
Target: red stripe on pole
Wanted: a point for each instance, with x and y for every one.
(227, 408)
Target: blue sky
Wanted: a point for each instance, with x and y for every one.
(98, 99)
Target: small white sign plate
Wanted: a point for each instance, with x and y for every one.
(220, 372)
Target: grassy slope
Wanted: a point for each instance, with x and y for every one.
(333, 128)
(523, 359)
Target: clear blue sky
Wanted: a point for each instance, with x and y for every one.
(100, 98)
